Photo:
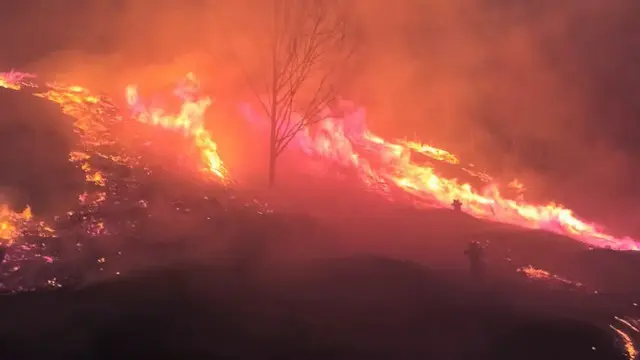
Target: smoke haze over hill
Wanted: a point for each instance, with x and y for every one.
(544, 92)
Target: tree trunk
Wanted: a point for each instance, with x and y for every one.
(273, 154)
(272, 168)
(273, 138)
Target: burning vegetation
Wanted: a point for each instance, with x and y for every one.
(117, 140)
(395, 169)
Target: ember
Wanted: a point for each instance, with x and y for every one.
(12, 223)
(31, 261)
(539, 274)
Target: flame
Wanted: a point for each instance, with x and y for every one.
(12, 224)
(433, 152)
(630, 350)
(189, 120)
(13, 80)
(389, 164)
(6, 83)
(540, 274)
(86, 110)
(93, 117)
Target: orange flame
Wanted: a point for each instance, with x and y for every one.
(337, 140)
(13, 80)
(12, 223)
(81, 105)
(378, 161)
(433, 152)
(629, 347)
(190, 120)
(540, 274)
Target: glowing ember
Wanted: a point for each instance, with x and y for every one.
(13, 80)
(86, 110)
(433, 152)
(12, 224)
(93, 117)
(539, 274)
(93, 176)
(190, 120)
(15, 224)
(630, 350)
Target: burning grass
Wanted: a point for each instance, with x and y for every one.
(118, 177)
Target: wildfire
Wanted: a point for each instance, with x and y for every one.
(387, 165)
(433, 152)
(347, 141)
(540, 274)
(629, 347)
(87, 112)
(15, 224)
(92, 117)
(13, 80)
(91, 175)
(12, 223)
(189, 120)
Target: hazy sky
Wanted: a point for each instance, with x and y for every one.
(545, 89)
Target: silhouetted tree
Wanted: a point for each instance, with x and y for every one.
(307, 48)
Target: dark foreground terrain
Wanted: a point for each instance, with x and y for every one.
(350, 308)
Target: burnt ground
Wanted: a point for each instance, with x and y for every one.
(341, 277)
(351, 308)
(268, 298)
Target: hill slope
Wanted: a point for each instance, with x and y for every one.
(353, 308)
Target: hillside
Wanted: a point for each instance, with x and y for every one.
(148, 259)
(350, 308)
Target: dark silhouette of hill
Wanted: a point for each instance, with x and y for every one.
(349, 308)
(35, 141)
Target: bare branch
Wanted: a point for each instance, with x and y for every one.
(306, 51)
(255, 91)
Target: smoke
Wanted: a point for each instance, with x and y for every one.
(543, 90)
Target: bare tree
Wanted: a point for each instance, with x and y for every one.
(307, 49)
